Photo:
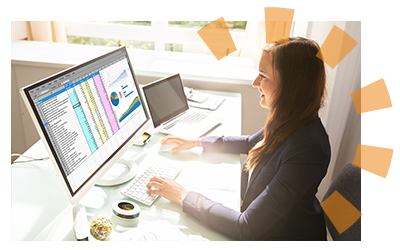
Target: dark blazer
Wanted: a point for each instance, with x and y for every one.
(279, 201)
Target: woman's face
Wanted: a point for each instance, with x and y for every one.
(265, 83)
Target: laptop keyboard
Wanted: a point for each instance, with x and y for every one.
(190, 118)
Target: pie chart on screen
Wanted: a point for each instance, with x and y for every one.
(114, 99)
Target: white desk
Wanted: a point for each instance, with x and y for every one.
(41, 209)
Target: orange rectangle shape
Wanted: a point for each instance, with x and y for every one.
(336, 46)
(373, 159)
(278, 14)
(220, 19)
(340, 211)
(375, 96)
(356, 97)
(278, 24)
(275, 32)
(217, 37)
(371, 97)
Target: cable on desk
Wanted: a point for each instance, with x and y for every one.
(32, 159)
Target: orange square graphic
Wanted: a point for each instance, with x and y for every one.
(373, 159)
(340, 211)
(371, 97)
(218, 38)
(356, 97)
(336, 46)
(278, 23)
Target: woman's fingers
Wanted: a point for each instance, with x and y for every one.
(165, 187)
(172, 139)
(184, 144)
(155, 182)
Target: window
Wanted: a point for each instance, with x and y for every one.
(177, 36)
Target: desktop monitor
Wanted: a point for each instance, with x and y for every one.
(87, 116)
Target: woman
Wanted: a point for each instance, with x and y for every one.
(287, 158)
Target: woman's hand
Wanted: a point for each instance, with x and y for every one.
(184, 144)
(167, 188)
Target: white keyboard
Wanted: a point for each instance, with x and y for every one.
(136, 189)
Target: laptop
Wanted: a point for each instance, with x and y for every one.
(170, 111)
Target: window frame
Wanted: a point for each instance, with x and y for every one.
(158, 32)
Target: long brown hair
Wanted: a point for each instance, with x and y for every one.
(300, 93)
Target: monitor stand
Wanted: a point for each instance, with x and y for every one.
(113, 182)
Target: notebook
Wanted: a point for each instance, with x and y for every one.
(202, 101)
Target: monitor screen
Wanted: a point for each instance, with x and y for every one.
(165, 98)
(87, 114)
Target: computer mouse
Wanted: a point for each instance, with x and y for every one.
(168, 146)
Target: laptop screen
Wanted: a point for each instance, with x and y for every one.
(165, 99)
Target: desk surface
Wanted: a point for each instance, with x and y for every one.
(41, 209)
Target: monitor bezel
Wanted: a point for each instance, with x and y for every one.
(74, 197)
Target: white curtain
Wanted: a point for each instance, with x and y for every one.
(254, 41)
(338, 118)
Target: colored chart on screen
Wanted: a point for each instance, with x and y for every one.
(120, 77)
(132, 107)
(114, 99)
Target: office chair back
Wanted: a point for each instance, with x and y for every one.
(348, 184)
